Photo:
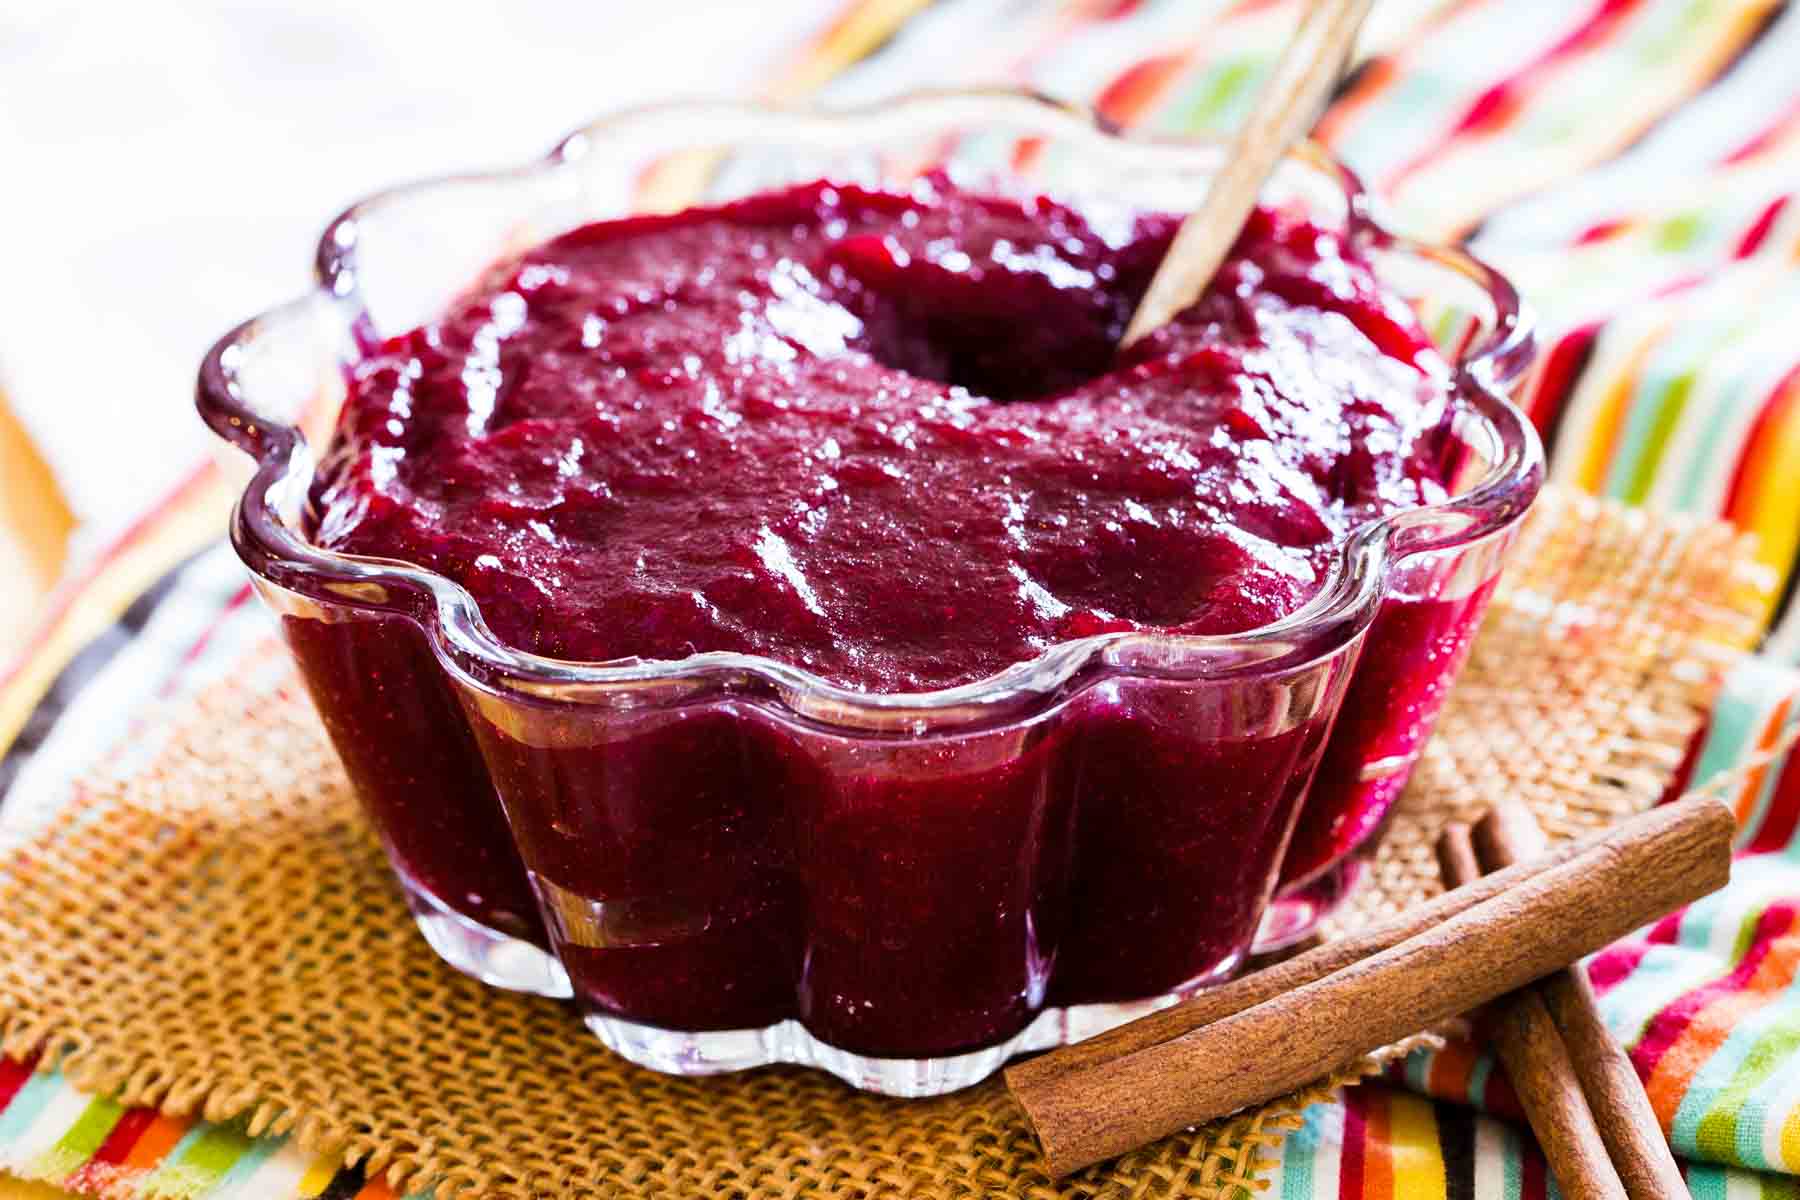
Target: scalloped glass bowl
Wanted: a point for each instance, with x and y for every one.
(729, 862)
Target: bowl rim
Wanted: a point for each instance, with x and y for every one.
(1331, 620)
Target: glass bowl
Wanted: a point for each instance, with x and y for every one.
(728, 861)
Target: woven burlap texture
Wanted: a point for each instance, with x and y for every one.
(218, 934)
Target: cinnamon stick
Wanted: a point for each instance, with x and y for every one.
(1538, 1062)
(1646, 866)
(1215, 1003)
(1628, 1124)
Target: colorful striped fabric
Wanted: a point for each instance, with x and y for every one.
(1707, 1001)
(1630, 163)
(1379, 1143)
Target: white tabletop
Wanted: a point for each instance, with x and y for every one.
(167, 165)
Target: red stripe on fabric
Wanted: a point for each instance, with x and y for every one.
(1356, 1138)
(1600, 231)
(1667, 1026)
(1615, 964)
(100, 1173)
(1494, 106)
(1758, 233)
(1126, 97)
(1534, 1179)
(1684, 771)
(1499, 1097)
(1767, 137)
(1557, 378)
(117, 1146)
(1783, 818)
(1776, 408)
(1681, 283)
(198, 646)
(1664, 932)
(13, 1074)
(1026, 153)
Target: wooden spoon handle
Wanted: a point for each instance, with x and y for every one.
(1286, 109)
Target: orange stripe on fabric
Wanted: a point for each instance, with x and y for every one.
(1378, 1154)
(1379, 74)
(858, 29)
(1376, 78)
(1601, 438)
(1711, 1026)
(1129, 96)
(155, 1143)
(1752, 785)
(1453, 1070)
(376, 1189)
(35, 518)
(190, 519)
(1765, 489)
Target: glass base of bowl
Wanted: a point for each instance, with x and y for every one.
(673, 1052)
(475, 949)
(1296, 914)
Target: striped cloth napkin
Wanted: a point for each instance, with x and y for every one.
(1629, 163)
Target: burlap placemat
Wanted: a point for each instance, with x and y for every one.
(218, 933)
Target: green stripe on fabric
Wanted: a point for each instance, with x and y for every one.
(1720, 1133)
(1418, 1070)
(197, 1161)
(1216, 91)
(258, 1152)
(1678, 233)
(1643, 458)
(1709, 456)
(80, 1141)
(1514, 1174)
(1773, 1060)
(1697, 1104)
(1739, 391)
(1778, 1187)
(218, 1150)
(1479, 1075)
(1747, 933)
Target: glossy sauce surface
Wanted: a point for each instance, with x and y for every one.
(885, 437)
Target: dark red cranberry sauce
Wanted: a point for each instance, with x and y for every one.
(886, 436)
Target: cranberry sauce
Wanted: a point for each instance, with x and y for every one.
(1411, 656)
(886, 438)
(715, 867)
(395, 724)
